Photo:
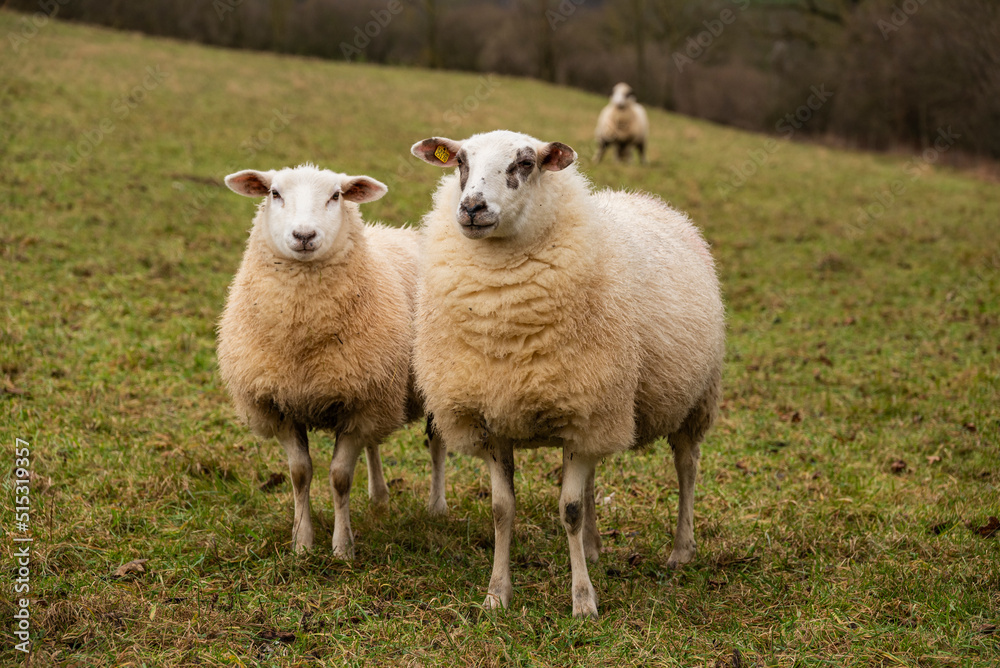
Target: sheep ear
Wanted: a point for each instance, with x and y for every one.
(437, 151)
(556, 156)
(250, 182)
(362, 189)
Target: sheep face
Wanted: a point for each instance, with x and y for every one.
(622, 95)
(304, 208)
(500, 173)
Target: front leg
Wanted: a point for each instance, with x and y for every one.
(437, 504)
(378, 491)
(573, 509)
(345, 456)
(296, 443)
(500, 460)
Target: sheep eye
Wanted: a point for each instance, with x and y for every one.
(275, 194)
(527, 163)
(335, 196)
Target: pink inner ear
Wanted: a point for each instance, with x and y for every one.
(559, 157)
(438, 151)
(251, 183)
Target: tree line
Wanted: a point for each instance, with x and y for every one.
(876, 74)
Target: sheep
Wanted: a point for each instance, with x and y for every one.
(317, 334)
(552, 316)
(622, 122)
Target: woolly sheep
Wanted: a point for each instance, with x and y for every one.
(622, 122)
(317, 333)
(552, 316)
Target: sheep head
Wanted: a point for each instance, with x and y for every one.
(304, 208)
(500, 173)
(622, 95)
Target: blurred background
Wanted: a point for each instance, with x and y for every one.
(899, 71)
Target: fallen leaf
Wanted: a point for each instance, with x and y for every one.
(987, 629)
(933, 459)
(823, 359)
(897, 466)
(969, 426)
(397, 482)
(634, 559)
(134, 566)
(273, 481)
(989, 529)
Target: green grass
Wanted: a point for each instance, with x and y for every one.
(851, 348)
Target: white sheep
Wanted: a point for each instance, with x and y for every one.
(552, 316)
(317, 333)
(622, 122)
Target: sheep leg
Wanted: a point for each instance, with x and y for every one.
(437, 504)
(602, 146)
(500, 460)
(345, 456)
(622, 151)
(686, 454)
(378, 491)
(641, 149)
(578, 470)
(591, 537)
(296, 443)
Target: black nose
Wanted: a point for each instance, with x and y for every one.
(477, 206)
(304, 236)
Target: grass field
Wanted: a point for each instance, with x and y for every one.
(843, 494)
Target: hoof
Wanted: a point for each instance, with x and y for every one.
(679, 557)
(437, 508)
(493, 602)
(344, 552)
(585, 604)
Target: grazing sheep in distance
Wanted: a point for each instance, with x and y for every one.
(552, 316)
(622, 122)
(317, 333)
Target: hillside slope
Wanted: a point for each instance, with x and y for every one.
(841, 494)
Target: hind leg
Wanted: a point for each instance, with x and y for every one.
(687, 450)
(378, 491)
(436, 505)
(686, 454)
(591, 537)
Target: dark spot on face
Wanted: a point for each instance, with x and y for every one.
(520, 169)
(572, 517)
(463, 168)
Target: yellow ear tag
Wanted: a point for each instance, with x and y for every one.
(442, 154)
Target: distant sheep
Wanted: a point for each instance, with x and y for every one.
(317, 333)
(552, 316)
(622, 122)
